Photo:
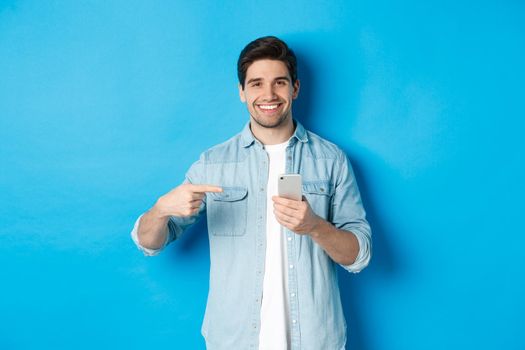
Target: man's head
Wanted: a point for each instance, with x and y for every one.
(268, 83)
(268, 47)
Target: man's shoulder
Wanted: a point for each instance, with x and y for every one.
(227, 151)
(321, 148)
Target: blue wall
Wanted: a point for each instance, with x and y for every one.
(104, 106)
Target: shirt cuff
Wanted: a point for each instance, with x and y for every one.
(363, 257)
(146, 251)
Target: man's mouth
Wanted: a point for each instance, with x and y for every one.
(269, 108)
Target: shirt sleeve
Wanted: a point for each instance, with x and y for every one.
(176, 225)
(348, 213)
(146, 251)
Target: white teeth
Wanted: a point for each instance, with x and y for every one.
(268, 107)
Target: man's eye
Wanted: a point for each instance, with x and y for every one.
(256, 84)
(281, 82)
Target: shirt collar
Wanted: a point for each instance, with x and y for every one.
(248, 139)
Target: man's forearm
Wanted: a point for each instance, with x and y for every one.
(153, 229)
(342, 246)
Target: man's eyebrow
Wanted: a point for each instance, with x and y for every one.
(283, 78)
(253, 80)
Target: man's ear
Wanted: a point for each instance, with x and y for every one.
(241, 94)
(296, 87)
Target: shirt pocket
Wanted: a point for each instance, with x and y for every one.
(319, 194)
(227, 211)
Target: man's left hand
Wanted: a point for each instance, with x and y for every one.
(296, 216)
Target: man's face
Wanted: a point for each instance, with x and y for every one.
(268, 92)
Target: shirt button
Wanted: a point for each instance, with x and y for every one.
(291, 266)
(289, 238)
(289, 158)
(293, 294)
(294, 321)
(262, 189)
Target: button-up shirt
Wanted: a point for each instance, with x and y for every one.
(237, 234)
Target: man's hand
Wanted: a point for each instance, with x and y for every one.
(342, 246)
(296, 216)
(184, 200)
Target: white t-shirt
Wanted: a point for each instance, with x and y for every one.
(275, 332)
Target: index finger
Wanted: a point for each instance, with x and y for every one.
(205, 188)
(285, 201)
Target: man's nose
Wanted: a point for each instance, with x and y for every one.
(269, 92)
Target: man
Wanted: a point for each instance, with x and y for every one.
(273, 277)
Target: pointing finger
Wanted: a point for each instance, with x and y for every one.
(205, 188)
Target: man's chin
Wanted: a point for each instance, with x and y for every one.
(270, 124)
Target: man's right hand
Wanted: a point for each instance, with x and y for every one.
(184, 200)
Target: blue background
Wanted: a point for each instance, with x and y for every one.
(104, 105)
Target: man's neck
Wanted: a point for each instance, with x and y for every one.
(273, 136)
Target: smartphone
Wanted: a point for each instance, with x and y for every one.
(290, 186)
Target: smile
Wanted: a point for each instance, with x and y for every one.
(269, 107)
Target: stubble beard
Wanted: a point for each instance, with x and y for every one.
(282, 118)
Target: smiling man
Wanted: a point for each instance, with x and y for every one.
(273, 276)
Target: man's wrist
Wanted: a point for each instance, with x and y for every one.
(317, 227)
(157, 213)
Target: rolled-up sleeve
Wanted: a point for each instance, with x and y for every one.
(146, 251)
(348, 213)
(364, 255)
